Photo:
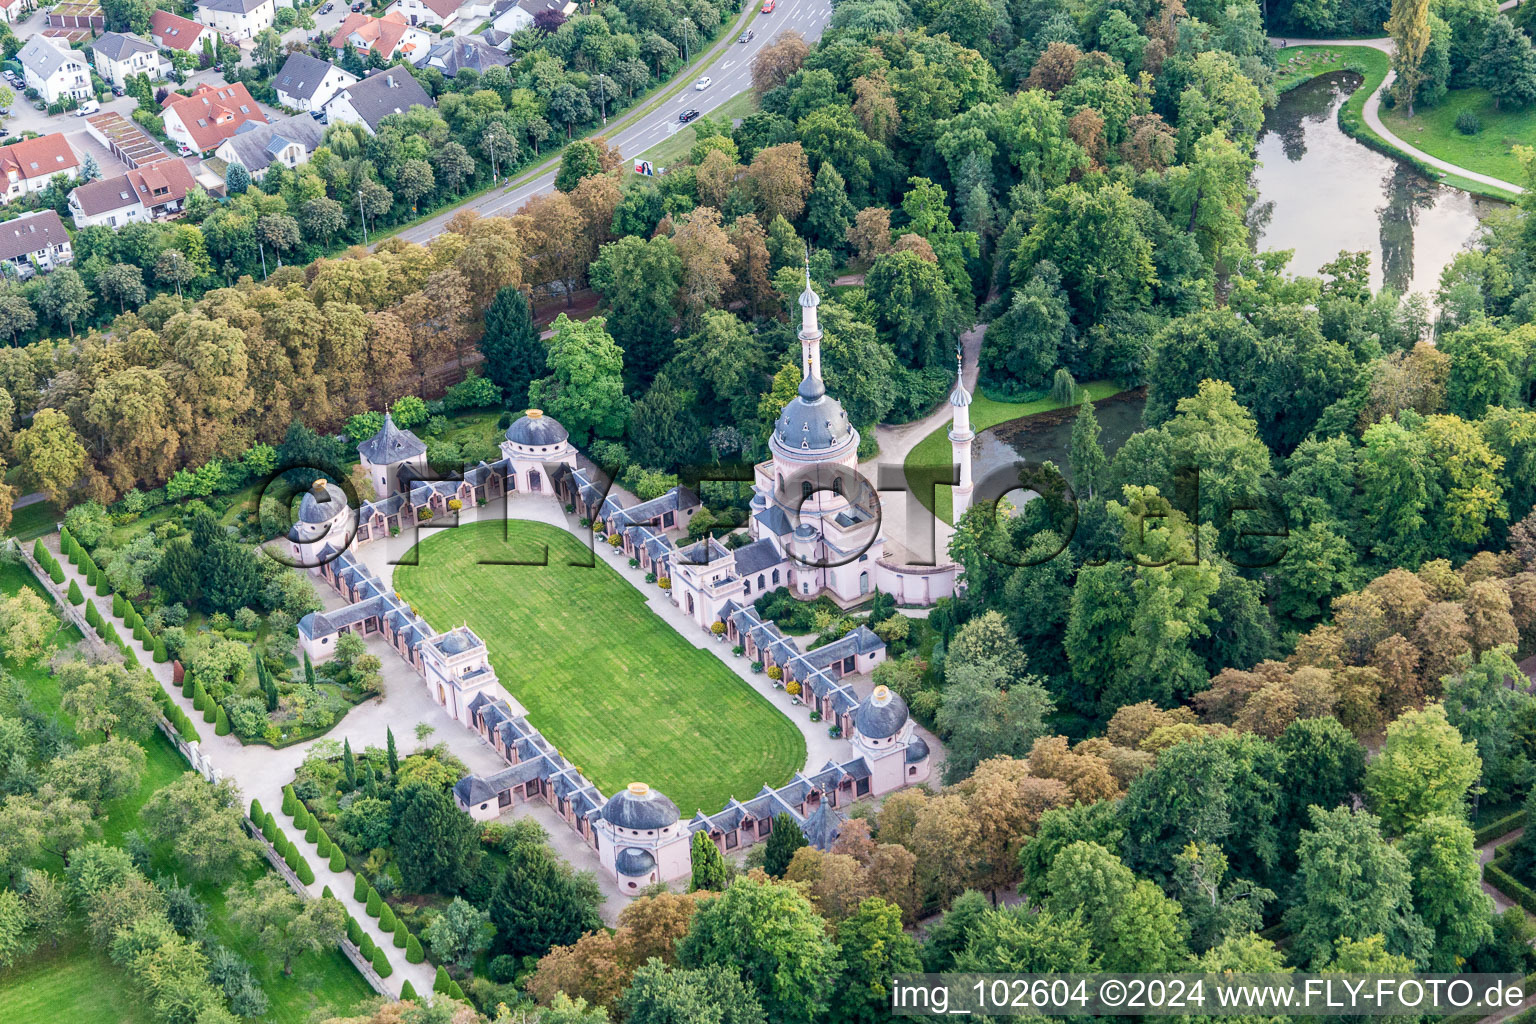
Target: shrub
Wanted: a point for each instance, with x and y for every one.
(1468, 123)
(366, 947)
(305, 872)
(312, 833)
(257, 814)
(440, 984)
(92, 616)
(290, 802)
(381, 963)
(75, 597)
(354, 931)
(408, 991)
(387, 918)
(269, 827)
(338, 859)
(375, 904)
(360, 889)
(211, 711)
(401, 936)
(455, 992)
(503, 969)
(221, 720)
(413, 952)
(117, 605)
(186, 686)
(161, 654)
(775, 672)
(324, 845)
(103, 588)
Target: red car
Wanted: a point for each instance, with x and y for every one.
(768, 6)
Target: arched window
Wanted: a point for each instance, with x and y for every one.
(805, 490)
(775, 577)
(760, 582)
(863, 582)
(837, 485)
(781, 483)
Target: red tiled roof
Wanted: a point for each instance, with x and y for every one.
(38, 158)
(382, 34)
(171, 30)
(155, 185)
(213, 112)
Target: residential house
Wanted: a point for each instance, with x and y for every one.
(172, 32)
(145, 194)
(306, 83)
(457, 52)
(57, 73)
(237, 19)
(12, 11)
(30, 164)
(287, 141)
(210, 115)
(441, 13)
(34, 240)
(390, 35)
(374, 98)
(117, 56)
(519, 14)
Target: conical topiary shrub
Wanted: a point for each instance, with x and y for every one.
(408, 991)
(161, 654)
(117, 605)
(103, 588)
(92, 616)
(455, 992)
(257, 814)
(290, 801)
(269, 826)
(338, 859)
(387, 918)
(130, 659)
(354, 931)
(55, 571)
(401, 934)
(360, 889)
(75, 597)
(323, 845)
(221, 728)
(305, 872)
(440, 984)
(375, 904)
(381, 964)
(366, 947)
(312, 833)
(210, 710)
(413, 951)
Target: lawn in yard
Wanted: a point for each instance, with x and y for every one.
(1490, 151)
(71, 983)
(934, 450)
(612, 685)
(34, 520)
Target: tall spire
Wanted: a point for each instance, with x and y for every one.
(810, 332)
(961, 436)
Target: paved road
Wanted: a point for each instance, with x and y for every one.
(731, 73)
(1372, 109)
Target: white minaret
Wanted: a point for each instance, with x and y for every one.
(810, 333)
(960, 438)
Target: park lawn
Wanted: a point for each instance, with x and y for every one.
(34, 520)
(1490, 151)
(71, 983)
(1300, 64)
(612, 685)
(934, 449)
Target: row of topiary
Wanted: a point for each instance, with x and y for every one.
(96, 579)
(45, 558)
(361, 891)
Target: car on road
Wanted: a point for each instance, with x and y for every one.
(687, 115)
(87, 108)
(769, 5)
(358, 6)
(747, 36)
(4, 132)
(325, 8)
(703, 83)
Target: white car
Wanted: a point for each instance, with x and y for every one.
(703, 83)
(87, 108)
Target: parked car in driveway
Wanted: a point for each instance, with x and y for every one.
(687, 115)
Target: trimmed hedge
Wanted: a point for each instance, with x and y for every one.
(1517, 891)
(92, 616)
(161, 654)
(290, 801)
(305, 872)
(455, 992)
(381, 963)
(257, 814)
(413, 952)
(402, 935)
(338, 859)
(117, 605)
(269, 826)
(188, 687)
(366, 947)
(440, 984)
(222, 720)
(323, 844)
(354, 931)
(387, 919)
(360, 889)
(312, 833)
(408, 992)
(75, 597)
(1498, 827)
(375, 904)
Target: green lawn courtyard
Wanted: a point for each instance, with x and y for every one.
(611, 684)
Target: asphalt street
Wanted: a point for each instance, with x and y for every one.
(731, 74)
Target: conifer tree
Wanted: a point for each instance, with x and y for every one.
(389, 748)
(360, 889)
(407, 990)
(338, 859)
(709, 873)
(783, 841)
(413, 954)
(349, 764)
(381, 964)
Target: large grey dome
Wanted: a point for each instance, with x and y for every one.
(534, 428)
(641, 808)
(317, 509)
(634, 862)
(882, 714)
(814, 420)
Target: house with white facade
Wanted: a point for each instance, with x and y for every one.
(210, 115)
(12, 11)
(29, 165)
(34, 241)
(287, 141)
(56, 72)
(173, 32)
(152, 192)
(519, 14)
(392, 36)
(307, 83)
(237, 19)
(118, 55)
(382, 93)
(442, 13)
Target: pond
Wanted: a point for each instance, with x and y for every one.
(1047, 436)
(1320, 191)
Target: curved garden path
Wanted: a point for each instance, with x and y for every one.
(1372, 109)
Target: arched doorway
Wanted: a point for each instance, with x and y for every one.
(864, 582)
